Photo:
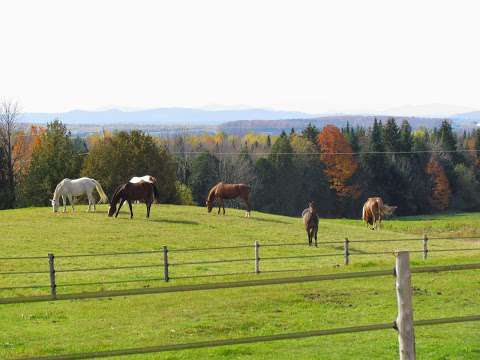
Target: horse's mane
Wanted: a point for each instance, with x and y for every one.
(211, 193)
(57, 188)
(116, 193)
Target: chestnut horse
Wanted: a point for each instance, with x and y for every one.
(374, 210)
(310, 220)
(129, 192)
(223, 191)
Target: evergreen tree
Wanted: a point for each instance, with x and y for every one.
(375, 166)
(4, 188)
(392, 136)
(406, 140)
(204, 176)
(311, 133)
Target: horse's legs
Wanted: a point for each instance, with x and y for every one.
(90, 201)
(64, 203)
(315, 232)
(119, 206)
(247, 202)
(130, 206)
(219, 205)
(223, 206)
(70, 198)
(148, 209)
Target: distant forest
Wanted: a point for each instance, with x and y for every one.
(419, 170)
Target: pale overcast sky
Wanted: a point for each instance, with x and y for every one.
(314, 56)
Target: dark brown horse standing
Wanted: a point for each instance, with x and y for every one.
(223, 191)
(310, 220)
(143, 191)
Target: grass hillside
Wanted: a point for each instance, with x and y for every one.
(125, 322)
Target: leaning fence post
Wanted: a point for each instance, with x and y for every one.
(257, 257)
(165, 264)
(404, 322)
(425, 246)
(53, 285)
(346, 250)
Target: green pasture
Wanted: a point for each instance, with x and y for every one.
(125, 322)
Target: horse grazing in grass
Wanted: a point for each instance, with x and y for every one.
(310, 220)
(223, 191)
(374, 211)
(144, 191)
(70, 188)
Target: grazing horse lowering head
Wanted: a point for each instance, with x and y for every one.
(209, 205)
(54, 205)
(111, 209)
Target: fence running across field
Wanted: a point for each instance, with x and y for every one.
(167, 262)
(404, 322)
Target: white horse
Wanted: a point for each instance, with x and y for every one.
(146, 178)
(70, 188)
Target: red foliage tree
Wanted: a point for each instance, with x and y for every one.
(340, 164)
(440, 193)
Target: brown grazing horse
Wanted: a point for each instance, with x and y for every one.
(374, 211)
(129, 192)
(223, 191)
(310, 220)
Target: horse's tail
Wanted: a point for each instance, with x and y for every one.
(155, 193)
(103, 196)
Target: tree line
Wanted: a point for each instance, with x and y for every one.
(421, 171)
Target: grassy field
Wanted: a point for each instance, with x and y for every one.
(125, 322)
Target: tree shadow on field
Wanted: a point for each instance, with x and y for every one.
(269, 220)
(168, 221)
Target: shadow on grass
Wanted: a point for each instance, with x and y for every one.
(269, 220)
(184, 222)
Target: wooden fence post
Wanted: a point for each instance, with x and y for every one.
(257, 257)
(165, 264)
(53, 285)
(425, 246)
(404, 322)
(346, 251)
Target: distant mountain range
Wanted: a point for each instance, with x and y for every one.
(162, 116)
(242, 120)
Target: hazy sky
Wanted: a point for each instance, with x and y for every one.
(314, 56)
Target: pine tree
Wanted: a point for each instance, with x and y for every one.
(392, 136)
(311, 133)
(4, 188)
(406, 140)
(204, 176)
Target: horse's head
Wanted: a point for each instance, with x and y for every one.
(54, 205)
(209, 204)
(312, 206)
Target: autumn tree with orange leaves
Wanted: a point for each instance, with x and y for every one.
(340, 165)
(440, 195)
(26, 141)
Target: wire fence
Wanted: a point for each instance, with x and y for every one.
(168, 261)
(404, 323)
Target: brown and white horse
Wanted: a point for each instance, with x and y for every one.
(144, 191)
(222, 191)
